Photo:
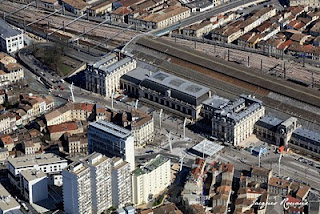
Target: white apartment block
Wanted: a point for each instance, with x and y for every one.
(48, 163)
(234, 121)
(111, 140)
(11, 39)
(77, 189)
(34, 185)
(103, 77)
(121, 183)
(307, 3)
(151, 179)
(100, 177)
(87, 185)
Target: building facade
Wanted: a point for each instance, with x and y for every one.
(168, 92)
(306, 139)
(121, 183)
(234, 121)
(151, 179)
(103, 77)
(111, 140)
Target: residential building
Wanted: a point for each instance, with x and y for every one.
(7, 203)
(34, 185)
(111, 140)
(69, 112)
(150, 179)
(51, 4)
(261, 175)
(100, 178)
(10, 70)
(77, 7)
(121, 183)
(31, 146)
(71, 128)
(4, 154)
(48, 163)
(169, 92)
(100, 8)
(164, 18)
(197, 30)
(77, 145)
(77, 193)
(87, 185)
(11, 39)
(103, 77)
(7, 142)
(278, 186)
(7, 123)
(234, 121)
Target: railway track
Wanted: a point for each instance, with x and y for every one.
(57, 21)
(225, 85)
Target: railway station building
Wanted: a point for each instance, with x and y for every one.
(168, 92)
(233, 121)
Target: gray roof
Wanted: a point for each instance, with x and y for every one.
(269, 122)
(104, 60)
(180, 88)
(136, 76)
(240, 108)
(307, 135)
(111, 128)
(110, 68)
(7, 202)
(199, 4)
(216, 101)
(6, 30)
(151, 165)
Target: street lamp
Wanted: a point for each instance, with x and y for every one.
(184, 128)
(279, 163)
(160, 115)
(112, 96)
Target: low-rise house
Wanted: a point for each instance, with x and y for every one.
(31, 146)
(100, 8)
(4, 154)
(261, 175)
(7, 123)
(77, 145)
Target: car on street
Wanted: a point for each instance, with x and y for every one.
(149, 151)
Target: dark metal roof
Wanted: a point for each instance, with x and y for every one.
(269, 122)
(307, 136)
(6, 30)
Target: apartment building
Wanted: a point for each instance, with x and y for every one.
(34, 185)
(77, 193)
(7, 142)
(151, 179)
(100, 178)
(234, 121)
(70, 128)
(48, 163)
(77, 145)
(69, 112)
(111, 140)
(32, 146)
(11, 39)
(121, 183)
(10, 70)
(197, 30)
(103, 77)
(166, 17)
